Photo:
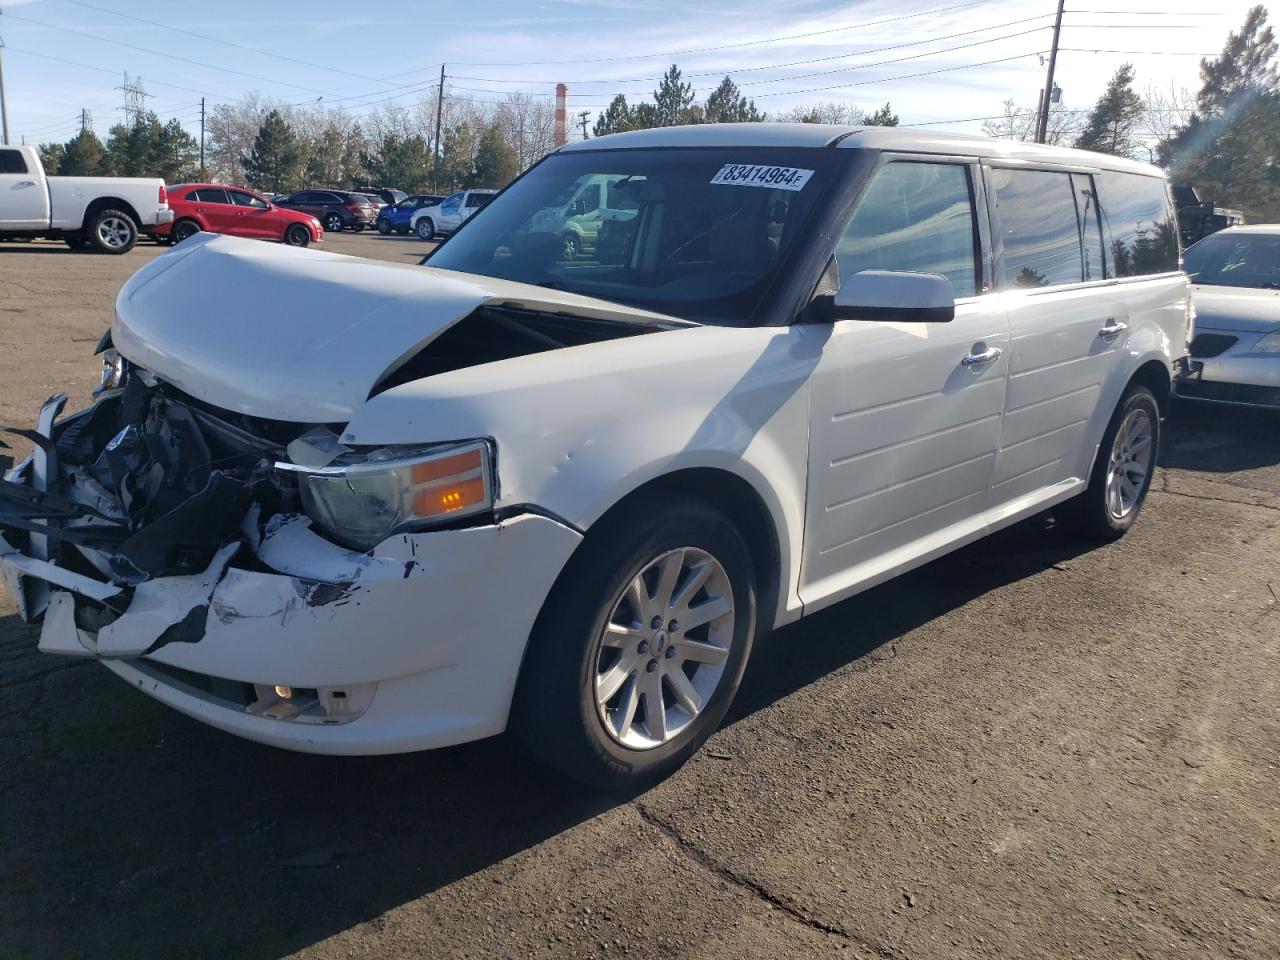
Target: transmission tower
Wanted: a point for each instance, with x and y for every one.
(86, 120)
(135, 99)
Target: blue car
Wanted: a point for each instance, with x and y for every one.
(396, 217)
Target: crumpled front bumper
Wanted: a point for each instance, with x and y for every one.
(283, 636)
(424, 636)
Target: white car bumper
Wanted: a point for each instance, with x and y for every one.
(414, 646)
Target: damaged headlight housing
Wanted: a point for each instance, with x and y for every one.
(362, 503)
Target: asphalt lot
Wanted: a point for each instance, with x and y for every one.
(1027, 749)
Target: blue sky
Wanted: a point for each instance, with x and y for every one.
(930, 58)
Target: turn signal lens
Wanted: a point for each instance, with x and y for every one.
(361, 504)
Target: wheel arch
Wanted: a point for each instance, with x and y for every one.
(738, 499)
(1154, 375)
(104, 203)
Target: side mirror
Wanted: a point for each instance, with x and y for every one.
(902, 297)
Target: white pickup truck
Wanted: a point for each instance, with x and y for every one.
(104, 213)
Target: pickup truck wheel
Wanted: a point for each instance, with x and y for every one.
(426, 229)
(384, 226)
(640, 646)
(1121, 474)
(297, 235)
(333, 223)
(183, 229)
(112, 231)
(571, 246)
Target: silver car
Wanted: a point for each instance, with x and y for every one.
(1235, 354)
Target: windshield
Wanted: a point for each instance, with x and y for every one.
(1235, 260)
(697, 233)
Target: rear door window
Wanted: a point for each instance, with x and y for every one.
(212, 196)
(915, 218)
(1144, 228)
(12, 161)
(480, 199)
(1038, 228)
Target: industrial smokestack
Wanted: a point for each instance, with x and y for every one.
(562, 115)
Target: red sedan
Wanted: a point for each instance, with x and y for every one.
(221, 209)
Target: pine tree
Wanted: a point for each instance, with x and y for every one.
(458, 161)
(1229, 147)
(884, 117)
(1114, 120)
(175, 152)
(273, 163)
(672, 99)
(496, 163)
(51, 157)
(400, 161)
(726, 104)
(616, 118)
(82, 156)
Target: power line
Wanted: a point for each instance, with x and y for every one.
(159, 53)
(89, 66)
(725, 46)
(794, 63)
(905, 76)
(230, 43)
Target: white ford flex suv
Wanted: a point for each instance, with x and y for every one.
(353, 507)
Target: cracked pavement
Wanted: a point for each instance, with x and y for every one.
(1027, 749)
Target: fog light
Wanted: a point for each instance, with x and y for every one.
(283, 692)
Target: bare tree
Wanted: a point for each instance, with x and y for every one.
(1164, 110)
(527, 124)
(826, 112)
(1019, 123)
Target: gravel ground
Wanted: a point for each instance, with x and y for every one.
(1027, 749)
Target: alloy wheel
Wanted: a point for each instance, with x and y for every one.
(1129, 464)
(664, 647)
(114, 232)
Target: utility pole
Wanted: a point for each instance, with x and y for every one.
(202, 138)
(582, 118)
(435, 149)
(1042, 127)
(4, 109)
(86, 120)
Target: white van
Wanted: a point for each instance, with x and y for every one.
(578, 215)
(352, 507)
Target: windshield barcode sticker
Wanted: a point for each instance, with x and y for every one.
(759, 175)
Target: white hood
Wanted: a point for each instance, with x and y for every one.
(287, 333)
(1239, 309)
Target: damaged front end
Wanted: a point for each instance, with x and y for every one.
(262, 577)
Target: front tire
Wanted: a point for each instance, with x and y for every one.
(297, 235)
(571, 246)
(426, 229)
(384, 226)
(112, 231)
(1122, 472)
(640, 647)
(183, 230)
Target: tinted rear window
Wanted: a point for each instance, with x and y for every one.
(1144, 229)
(212, 196)
(11, 161)
(1038, 226)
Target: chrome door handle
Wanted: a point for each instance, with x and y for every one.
(986, 356)
(1112, 329)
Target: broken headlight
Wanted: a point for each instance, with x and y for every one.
(360, 504)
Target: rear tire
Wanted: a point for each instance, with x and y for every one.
(297, 235)
(593, 717)
(384, 226)
(112, 231)
(333, 223)
(426, 229)
(1122, 472)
